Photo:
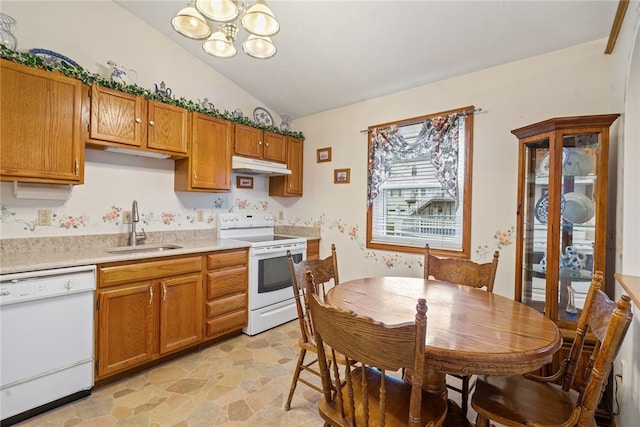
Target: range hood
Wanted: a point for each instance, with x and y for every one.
(258, 167)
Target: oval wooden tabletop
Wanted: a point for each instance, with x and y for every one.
(469, 331)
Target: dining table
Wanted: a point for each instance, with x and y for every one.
(469, 331)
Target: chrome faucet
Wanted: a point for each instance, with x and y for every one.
(135, 237)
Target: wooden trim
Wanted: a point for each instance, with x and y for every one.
(615, 27)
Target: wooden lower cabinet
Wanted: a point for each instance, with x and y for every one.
(313, 248)
(226, 307)
(146, 310)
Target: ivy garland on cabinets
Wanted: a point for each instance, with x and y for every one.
(89, 78)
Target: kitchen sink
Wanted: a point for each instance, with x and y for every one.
(141, 248)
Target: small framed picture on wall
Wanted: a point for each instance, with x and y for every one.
(323, 155)
(341, 176)
(244, 182)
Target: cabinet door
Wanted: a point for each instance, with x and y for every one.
(248, 141)
(168, 127)
(180, 312)
(562, 213)
(289, 185)
(40, 139)
(275, 147)
(126, 327)
(210, 158)
(117, 117)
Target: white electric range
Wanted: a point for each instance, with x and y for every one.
(271, 298)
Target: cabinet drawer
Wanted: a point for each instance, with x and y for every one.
(226, 282)
(109, 276)
(228, 323)
(227, 259)
(226, 305)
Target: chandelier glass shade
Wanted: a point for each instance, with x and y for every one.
(257, 20)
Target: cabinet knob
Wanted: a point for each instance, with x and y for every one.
(266, 144)
(138, 120)
(259, 142)
(152, 123)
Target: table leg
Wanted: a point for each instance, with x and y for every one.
(433, 381)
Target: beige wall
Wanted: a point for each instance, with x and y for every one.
(572, 81)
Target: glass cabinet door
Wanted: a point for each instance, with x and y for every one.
(562, 213)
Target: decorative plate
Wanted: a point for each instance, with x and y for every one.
(542, 168)
(51, 57)
(579, 208)
(542, 208)
(578, 163)
(262, 117)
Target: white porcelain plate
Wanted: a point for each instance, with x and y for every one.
(262, 117)
(578, 209)
(542, 168)
(578, 162)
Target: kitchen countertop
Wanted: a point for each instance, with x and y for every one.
(43, 253)
(17, 262)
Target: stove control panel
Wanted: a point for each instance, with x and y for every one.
(245, 220)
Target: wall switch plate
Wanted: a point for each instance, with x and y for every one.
(44, 216)
(126, 217)
(200, 215)
(280, 215)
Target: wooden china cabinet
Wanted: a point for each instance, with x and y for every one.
(562, 219)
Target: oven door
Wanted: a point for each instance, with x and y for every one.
(269, 276)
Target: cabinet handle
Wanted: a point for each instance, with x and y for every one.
(152, 123)
(164, 291)
(150, 295)
(195, 176)
(77, 167)
(138, 120)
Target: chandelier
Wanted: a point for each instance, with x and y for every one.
(255, 17)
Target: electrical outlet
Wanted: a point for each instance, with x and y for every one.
(200, 215)
(126, 217)
(280, 215)
(44, 216)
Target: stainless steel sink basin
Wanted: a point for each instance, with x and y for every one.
(141, 248)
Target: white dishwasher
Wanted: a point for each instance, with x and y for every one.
(46, 340)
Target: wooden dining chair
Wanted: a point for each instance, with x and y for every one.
(462, 272)
(365, 395)
(326, 271)
(527, 400)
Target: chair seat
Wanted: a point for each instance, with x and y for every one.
(433, 409)
(517, 401)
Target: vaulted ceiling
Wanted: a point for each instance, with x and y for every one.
(335, 53)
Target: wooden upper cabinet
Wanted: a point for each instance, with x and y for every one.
(167, 127)
(289, 185)
(41, 137)
(120, 119)
(117, 117)
(252, 142)
(275, 147)
(208, 167)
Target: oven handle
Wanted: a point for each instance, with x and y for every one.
(294, 248)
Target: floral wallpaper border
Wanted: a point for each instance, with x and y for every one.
(113, 216)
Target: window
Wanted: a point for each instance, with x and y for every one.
(419, 184)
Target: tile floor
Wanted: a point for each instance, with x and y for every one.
(241, 381)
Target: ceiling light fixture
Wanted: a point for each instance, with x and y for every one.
(255, 17)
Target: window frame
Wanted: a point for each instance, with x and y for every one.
(465, 251)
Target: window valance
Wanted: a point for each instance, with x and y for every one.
(438, 137)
